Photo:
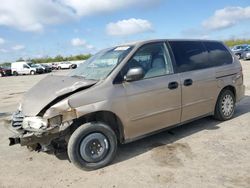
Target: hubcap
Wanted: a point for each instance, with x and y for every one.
(94, 147)
(227, 105)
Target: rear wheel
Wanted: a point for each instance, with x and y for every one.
(15, 73)
(225, 105)
(92, 146)
(1, 74)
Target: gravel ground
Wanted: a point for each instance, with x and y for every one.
(204, 153)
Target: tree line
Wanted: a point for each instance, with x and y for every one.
(58, 58)
(233, 42)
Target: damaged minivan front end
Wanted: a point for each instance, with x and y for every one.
(46, 129)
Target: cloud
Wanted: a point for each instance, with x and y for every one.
(34, 15)
(2, 50)
(90, 7)
(128, 27)
(90, 47)
(30, 15)
(18, 47)
(2, 41)
(78, 42)
(227, 17)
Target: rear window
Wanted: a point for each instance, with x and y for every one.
(189, 55)
(218, 54)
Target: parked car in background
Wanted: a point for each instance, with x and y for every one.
(125, 93)
(238, 50)
(38, 67)
(66, 65)
(47, 68)
(54, 66)
(5, 71)
(23, 67)
(246, 53)
(78, 62)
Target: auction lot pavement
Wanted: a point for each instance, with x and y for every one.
(204, 153)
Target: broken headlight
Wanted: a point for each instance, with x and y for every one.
(55, 121)
(34, 123)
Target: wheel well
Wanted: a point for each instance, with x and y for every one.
(231, 88)
(106, 117)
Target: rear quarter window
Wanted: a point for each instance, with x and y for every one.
(218, 54)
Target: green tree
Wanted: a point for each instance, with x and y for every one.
(234, 42)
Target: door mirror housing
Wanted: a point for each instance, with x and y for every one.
(134, 74)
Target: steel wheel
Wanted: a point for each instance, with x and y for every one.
(94, 147)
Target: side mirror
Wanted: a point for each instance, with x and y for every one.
(134, 74)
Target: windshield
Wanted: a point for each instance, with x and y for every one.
(33, 65)
(101, 64)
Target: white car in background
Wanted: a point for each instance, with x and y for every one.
(66, 65)
(22, 67)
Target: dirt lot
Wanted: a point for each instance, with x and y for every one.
(205, 153)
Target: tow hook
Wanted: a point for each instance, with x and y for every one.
(14, 140)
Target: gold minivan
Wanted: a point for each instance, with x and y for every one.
(127, 92)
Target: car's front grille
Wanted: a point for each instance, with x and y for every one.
(17, 119)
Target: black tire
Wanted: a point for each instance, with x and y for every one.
(220, 112)
(32, 72)
(15, 73)
(1, 74)
(78, 138)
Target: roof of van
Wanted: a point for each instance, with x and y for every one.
(21, 62)
(161, 40)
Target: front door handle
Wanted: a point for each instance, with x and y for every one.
(173, 85)
(188, 82)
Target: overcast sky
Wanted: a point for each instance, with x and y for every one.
(37, 28)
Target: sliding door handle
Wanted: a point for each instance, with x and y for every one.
(188, 82)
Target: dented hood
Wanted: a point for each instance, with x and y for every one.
(50, 90)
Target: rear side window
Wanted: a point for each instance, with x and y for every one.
(218, 54)
(189, 55)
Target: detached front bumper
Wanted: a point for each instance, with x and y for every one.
(34, 139)
(33, 142)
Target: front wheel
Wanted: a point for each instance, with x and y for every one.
(225, 105)
(92, 146)
(32, 72)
